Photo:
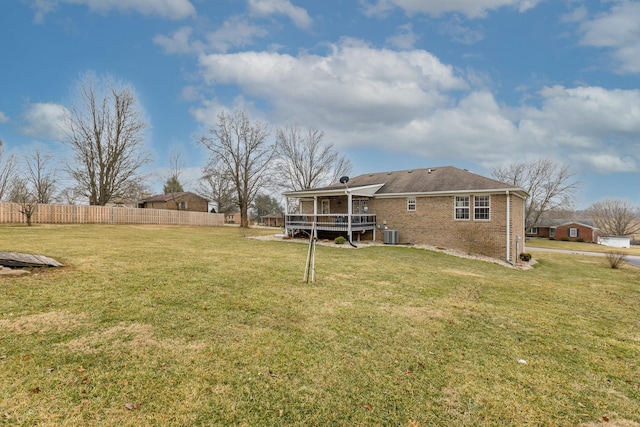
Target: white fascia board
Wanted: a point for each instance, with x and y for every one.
(517, 191)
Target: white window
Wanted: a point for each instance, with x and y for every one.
(411, 203)
(573, 232)
(462, 207)
(325, 206)
(533, 230)
(182, 206)
(482, 207)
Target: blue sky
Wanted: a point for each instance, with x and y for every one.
(395, 84)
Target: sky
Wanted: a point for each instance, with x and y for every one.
(394, 84)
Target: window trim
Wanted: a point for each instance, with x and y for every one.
(462, 209)
(412, 201)
(571, 232)
(487, 207)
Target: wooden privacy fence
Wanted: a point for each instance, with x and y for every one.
(83, 214)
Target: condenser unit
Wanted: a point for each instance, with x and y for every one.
(390, 237)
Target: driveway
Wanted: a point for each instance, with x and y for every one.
(630, 259)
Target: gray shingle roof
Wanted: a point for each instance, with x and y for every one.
(427, 180)
(166, 197)
(559, 222)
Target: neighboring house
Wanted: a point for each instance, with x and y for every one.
(442, 207)
(562, 229)
(232, 218)
(272, 220)
(122, 203)
(183, 201)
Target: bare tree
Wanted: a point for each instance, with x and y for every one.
(173, 184)
(615, 217)
(8, 170)
(216, 187)
(304, 162)
(242, 150)
(41, 175)
(105, 131)
(550, 185)
(25, 197)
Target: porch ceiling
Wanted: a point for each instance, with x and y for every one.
(365, 191)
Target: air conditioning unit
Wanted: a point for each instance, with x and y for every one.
(390, 237)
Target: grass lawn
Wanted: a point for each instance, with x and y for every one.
(177, 326)
(578, 246)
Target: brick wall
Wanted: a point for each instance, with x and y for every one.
(433, 223)
(584, 233)
(193, 202)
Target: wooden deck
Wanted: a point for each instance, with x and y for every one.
(333, 222)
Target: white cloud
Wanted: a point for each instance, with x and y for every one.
(179, 42)
(235, 32)
(469, 8)
(579, 14)
(298, 15)
(44, 120)
(4, 118)
(593, 111)
(461, 33)
(618, 30)
(404, 39)
(410, 102)
(352, 83)
(172, 9)
(606, 163)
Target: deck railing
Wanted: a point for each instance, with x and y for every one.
(330, 222)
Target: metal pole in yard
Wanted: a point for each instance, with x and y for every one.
(310, 268)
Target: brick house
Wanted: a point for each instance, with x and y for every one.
(183, 201)
(232, 217)
(563, 229)
(444, 207)
(272, 220)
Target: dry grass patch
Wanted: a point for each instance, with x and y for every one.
(461, 273)
(41, 323)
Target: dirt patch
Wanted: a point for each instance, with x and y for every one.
(6, 271)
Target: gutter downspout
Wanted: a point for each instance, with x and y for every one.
(508, 228)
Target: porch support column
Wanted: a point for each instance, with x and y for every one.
(349, 213)
(286, 214)
(508, 227)
(315, 216)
